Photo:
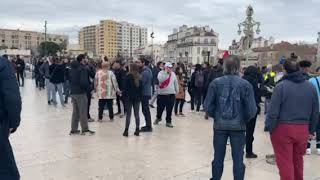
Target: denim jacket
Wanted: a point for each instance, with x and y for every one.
(230, 102)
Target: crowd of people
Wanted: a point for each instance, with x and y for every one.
(229, 94)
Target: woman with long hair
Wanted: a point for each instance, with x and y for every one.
(180, 96)
(132, 95)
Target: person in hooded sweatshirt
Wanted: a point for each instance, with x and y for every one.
(251, 74)
(292, 119)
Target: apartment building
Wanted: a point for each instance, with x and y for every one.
(28, 40)
(88, 38)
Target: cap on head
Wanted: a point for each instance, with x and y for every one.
(168, 65)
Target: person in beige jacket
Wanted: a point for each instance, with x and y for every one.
(106, 88)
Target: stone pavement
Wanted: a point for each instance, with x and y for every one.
(45, 151)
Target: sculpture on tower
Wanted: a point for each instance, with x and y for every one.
(247, 27)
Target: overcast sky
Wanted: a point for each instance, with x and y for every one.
(291, 20)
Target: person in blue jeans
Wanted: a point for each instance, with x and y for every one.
(230, 102)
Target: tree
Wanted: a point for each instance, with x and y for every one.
(49, 48)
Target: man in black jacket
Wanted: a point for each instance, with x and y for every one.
(10, 109)
(91, 74)
(20, 70)
(120, 74)
(79, 83)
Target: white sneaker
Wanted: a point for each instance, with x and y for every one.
(308, 152)
(318, 152)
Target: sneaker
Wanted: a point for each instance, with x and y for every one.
(118, 113)
(308, 151)
(251, 156)
(88, 132)
(146, 129)
(318, 152)
(100, 120)
(206, 117)
(181, 114)
(121, 116)
(152, 106)
(157, 121)
(90, 120)
(125, 133)
(169, 125)
(74, 132)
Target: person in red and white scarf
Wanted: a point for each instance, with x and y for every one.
(168, 88)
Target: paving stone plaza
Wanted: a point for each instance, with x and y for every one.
(45, 151)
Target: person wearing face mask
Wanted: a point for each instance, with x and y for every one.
(168, 88)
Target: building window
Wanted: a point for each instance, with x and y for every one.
(198, 50)
(206, 41)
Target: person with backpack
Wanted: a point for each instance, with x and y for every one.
(168, 88)
(197, 83)
(230, 102)
(315, 81)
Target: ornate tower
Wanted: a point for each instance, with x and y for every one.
(247, 27)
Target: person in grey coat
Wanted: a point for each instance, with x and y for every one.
(44, 71)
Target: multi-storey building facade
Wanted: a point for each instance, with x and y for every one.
(192, 45)
(112, 38)
(28, 40)
(88, 38)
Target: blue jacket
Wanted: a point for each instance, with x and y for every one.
(294, 101)
(146, 78)
(10, 100)
(230, 102)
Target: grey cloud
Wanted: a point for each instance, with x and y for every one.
(283, 19)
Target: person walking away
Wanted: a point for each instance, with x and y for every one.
(197, 82)
(37, 74)
(146, 77)
(106, 87)
(315, 81)
(20, 70)
(120, 74)
(66, 84)
(230, 102)
(155, 73)
(168, 88)
(251, 74)
(45, 72)
(292, 118)
(132, 94)
(10, 117)
(79, 85)
(57, 79)
(180, 96)
(91, 75)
